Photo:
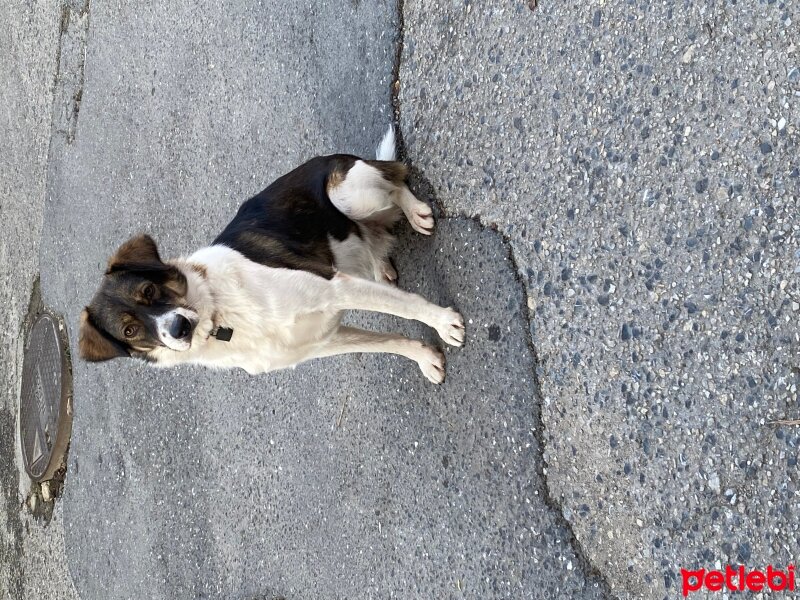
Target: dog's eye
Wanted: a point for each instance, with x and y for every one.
(130, 331)
(149, 291)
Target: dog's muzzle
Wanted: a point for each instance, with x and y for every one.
(181, 328)
(176, 328)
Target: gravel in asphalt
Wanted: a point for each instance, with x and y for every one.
(642, 160)
(620, 183)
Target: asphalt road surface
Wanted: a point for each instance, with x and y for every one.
(617, 186)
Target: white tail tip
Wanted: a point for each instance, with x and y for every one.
(386, 150)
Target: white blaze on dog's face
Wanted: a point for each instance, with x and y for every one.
(176, 327)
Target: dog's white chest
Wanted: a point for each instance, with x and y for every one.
(267, 309)
(270, 346)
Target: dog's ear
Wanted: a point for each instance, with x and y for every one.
(139, 255)
(136, 254)
(94, 344)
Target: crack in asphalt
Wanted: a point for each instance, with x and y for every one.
(395, 82)
(11, 552)
(422, 184)
(70, 68)
(587, 566)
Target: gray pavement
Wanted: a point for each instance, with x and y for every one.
(618, 195)
(642, 159)
(32, 558)
(191, 483)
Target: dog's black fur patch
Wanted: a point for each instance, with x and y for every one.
(288, 224)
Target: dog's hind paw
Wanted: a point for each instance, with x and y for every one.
(388, 272)
(431, 363)
(450, 326)
(420, 216)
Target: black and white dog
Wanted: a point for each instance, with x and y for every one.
(271, 290)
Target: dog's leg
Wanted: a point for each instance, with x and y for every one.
(371, 191)
(348, 339)
(363, 193)
(352, 293)
(304, 293)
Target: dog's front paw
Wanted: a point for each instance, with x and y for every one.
(431, 363)
(450, 326)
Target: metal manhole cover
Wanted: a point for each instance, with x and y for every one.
(45, 421)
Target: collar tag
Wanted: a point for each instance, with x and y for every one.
(223, 334)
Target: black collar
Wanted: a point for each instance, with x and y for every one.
(223, 334)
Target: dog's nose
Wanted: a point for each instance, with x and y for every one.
(180, 328)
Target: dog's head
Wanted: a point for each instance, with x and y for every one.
(141, 305)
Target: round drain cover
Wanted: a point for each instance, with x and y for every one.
(45, 421)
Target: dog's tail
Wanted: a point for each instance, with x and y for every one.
(387, 150)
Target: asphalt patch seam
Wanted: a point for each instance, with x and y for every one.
(587, 566)
(421, 183)
(590, 570)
